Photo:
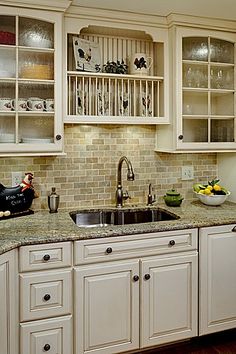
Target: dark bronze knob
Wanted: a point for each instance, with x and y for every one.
(58, 137)
(181, 137)
(47, 347)
(135, 278)
(147, 276)
(46, 257)
(108, 250)
(172, 242)
(47, 297)
(234, 229)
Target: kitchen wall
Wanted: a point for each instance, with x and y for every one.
(86, 175)
(227, 174)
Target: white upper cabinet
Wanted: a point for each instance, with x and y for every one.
(116, 72)
(203, 92)
(30, 82)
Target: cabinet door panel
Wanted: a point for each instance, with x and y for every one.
(8, 303)
(107, 308)
(169, 299)
(217, 279)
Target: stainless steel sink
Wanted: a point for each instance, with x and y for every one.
(101, 218)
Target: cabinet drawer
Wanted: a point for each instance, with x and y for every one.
(53, 336)
(45, 294)
(45, 256)
(100, 250)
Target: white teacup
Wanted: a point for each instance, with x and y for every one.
(6, 104)
(22, 104)
(35, 104)
(49, 104)
(140, 63)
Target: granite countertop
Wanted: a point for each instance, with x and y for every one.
(43, 227)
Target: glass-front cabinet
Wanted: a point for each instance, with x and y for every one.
(30, 84)
(207, 77)
(204, 110)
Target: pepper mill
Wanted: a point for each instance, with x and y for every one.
(53, 201)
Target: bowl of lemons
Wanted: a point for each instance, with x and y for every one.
(212, 193)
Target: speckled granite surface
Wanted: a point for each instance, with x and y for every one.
(43, 227)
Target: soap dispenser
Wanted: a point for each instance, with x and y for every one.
(53, 201)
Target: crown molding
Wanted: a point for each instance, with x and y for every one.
(116, 16)
(201, 22)
(55, 5)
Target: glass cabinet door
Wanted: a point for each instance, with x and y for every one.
(27, 84)
(208, 90)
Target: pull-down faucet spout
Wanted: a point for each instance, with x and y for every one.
(120, 195)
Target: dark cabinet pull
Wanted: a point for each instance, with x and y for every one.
(135, 278)
(108, 250)
(58, 137)
(47, 347)
(172, 242)
(181, 137)
(234, 229)
(46, 257)
(47, 297)
(147, 276)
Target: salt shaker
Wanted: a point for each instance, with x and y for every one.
(53, 201)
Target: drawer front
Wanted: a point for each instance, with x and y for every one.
(45, 256)
(45, 294)
(100, 250)
(52, 336)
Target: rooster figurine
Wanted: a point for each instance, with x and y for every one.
(19, 198)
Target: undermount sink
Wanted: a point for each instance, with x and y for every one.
(119, 217)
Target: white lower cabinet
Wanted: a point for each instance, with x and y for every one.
(107, 307)
(217, 278)
(51, 335)
(8, 303)
(169, 298)
(129, 304)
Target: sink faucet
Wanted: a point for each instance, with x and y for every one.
(120, 195)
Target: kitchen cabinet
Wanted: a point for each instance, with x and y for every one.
(30, 82)
(107, 307)
(9, 306)
(203, 69)
(217, 287)
(96, 51)
(110, 316)
(169, 298)
(46, 298)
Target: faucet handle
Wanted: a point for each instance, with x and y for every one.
(151, 198)
(126, 195)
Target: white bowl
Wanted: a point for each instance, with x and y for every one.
(216, 199)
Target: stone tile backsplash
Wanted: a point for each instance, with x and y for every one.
(86, 175)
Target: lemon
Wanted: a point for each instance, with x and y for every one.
(209, 187)
(207, 191)
(202, 191)
(217, 187)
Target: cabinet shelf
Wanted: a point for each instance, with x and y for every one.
(118, 76)
(36, 81)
